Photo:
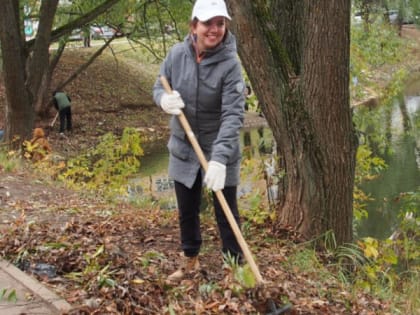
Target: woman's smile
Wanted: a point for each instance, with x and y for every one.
(210, 33)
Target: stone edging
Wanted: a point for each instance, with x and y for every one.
(50, 298)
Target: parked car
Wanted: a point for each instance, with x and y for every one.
(393, 16)
(357, 17)
(104, 31)
(408, 17)
(76, 34)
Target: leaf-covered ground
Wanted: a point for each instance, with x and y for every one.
(129, 251)
(108, 258)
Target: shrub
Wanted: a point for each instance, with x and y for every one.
(107, 167)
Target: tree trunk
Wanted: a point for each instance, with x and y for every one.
(296, 54)
(19, 113)
(38, 61)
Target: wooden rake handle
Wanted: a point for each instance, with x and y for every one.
(54, 120)
(219, 194)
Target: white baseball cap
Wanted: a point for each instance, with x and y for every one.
(204, 10)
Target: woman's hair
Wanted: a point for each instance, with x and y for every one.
(193, 22)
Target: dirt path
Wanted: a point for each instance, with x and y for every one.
(412, 32)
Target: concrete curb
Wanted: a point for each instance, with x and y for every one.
(52, 301)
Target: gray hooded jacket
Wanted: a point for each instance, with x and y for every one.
(213, 93)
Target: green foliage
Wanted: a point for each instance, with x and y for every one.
(257, 213)
(207, 289)
(411, 204)
(30, 149)
(151, 256)
(368, 167)
(379, 46)
(255, 201)
(372, 130)
(171, 310)
(370, 49)
(108, 166)
(349, 257)
(94, 274)
(376, 272)
(142, 22)
(150, 18)
(407, 236)
(383, 267)
(245, 276)
(70, 11)
(8, 294)
(9, 161)
(304, 259)
(241, 273)
(410, 293)
(250, 99)
(395, 87)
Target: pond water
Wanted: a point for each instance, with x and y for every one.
(393, 130)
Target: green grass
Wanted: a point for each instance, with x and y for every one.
(9, 161)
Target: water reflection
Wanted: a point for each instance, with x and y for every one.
(394, 134)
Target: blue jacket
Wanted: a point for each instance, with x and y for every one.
(213, 93)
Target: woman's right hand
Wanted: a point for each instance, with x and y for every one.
(172, 103)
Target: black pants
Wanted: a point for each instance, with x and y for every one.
(189, 201)
(65, 116)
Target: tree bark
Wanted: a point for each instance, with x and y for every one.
(18, 104)
(296, 54)
(38, 60)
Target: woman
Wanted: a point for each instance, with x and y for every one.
(206, 78)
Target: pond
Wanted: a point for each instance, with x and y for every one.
(393, 131)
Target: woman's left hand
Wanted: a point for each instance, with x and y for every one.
(215, 176)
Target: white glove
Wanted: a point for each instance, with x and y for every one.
(215, 176)
(172, 103)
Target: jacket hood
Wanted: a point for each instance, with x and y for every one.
(225, 50)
